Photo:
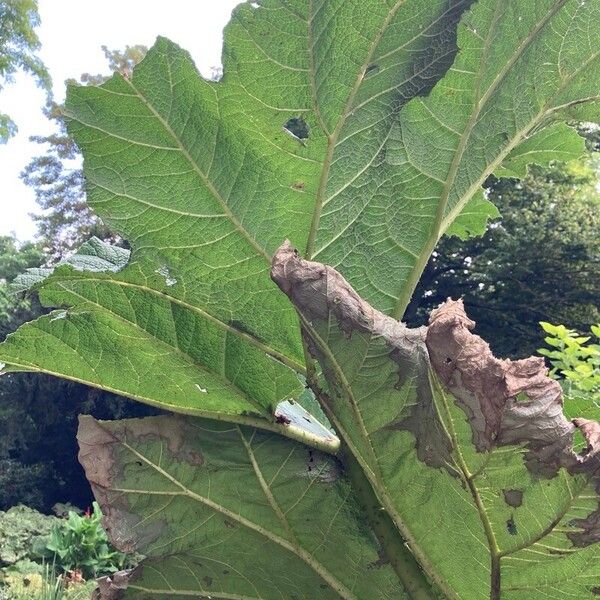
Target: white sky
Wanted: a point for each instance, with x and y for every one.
(71, 34)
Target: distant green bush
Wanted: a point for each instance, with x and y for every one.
(574, 360)
(23, 533)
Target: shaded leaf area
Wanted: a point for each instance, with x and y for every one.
(229, 512)
(511, 508)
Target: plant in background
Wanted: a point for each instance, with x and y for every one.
(78, 544)
(43, 585)
(22, 532)
(574, 360)
(362, 132)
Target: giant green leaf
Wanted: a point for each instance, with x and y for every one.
(361, 130)
(230, 512)
(471, 456)
(352, 128)
(204, 182)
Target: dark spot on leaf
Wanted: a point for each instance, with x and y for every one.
(207, 580)
(225, 572)
(298, 128)
(282, 420)
(380, 562)
(298, 185)
(513, 498)
(323, 586)
(448, 360)
(372, 69)
(229, 524)
(241, 327)
(596, 590)
(138, 463)
(195, 458)
(511, 526)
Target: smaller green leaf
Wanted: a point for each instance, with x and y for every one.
(94, 256)
(556, 142)
(472, 220)
(549, 328)
(552, 342)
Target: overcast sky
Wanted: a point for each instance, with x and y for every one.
(71, 34)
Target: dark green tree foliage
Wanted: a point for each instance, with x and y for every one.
(18, 45)
(38, 452)
(38, 415)
(540, 262)
(13, 260)
(56, 175)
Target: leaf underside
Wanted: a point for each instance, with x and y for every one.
(362, 131)
(506, 507)
(225, 511)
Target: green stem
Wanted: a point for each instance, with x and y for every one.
(397, 552)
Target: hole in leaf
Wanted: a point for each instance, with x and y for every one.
(513, 498)
(580, 445)
(298, 128)
(169, 279)
(371, 70)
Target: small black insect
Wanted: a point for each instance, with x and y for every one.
(282, 420)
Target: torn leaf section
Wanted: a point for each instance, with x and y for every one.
(507, 402)
(513, 403)
(504, 476)
(328, 302)
(228, 512)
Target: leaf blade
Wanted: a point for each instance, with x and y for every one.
(134, 465)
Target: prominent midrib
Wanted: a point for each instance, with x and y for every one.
(374, 478)
(346, 389)
(480, 102)
(286, 360)
(300, 553)
(468, 477)
(179, 352)
(193, 593)
(332, 139)
(213, 190)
